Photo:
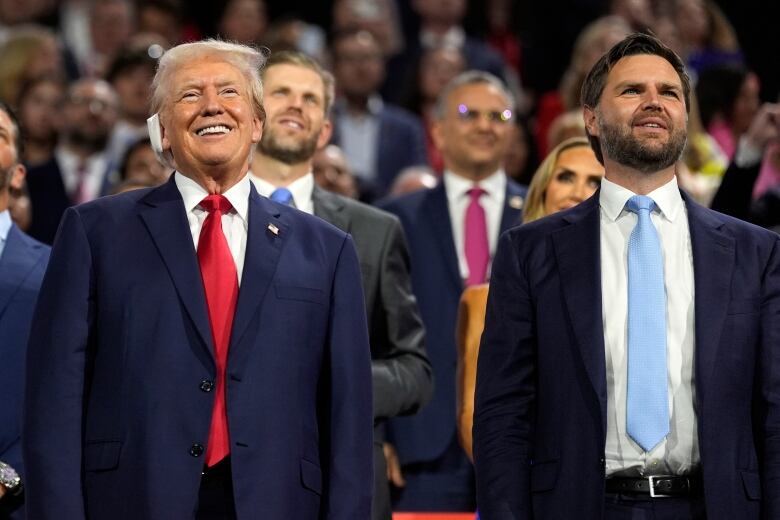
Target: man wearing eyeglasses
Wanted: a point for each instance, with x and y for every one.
(452, 230)
(81, 168)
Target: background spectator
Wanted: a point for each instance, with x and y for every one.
(436, 68)
(331, 171)
(29, 52)
(378, 138)
(81, 168)
(39, 105)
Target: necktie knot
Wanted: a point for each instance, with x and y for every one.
(215, 202)
(639, 203)
(475, 193)
(282, 196)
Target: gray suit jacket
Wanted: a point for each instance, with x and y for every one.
(401, 373)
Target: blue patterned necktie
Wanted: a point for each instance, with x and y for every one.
(282, 196)
(647, 400)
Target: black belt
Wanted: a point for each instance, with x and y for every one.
(656, 486)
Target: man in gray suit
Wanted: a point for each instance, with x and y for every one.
(298, 97)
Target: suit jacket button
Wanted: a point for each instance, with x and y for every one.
(196, 450)
(206, 385)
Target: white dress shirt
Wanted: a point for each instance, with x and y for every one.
(300, 188)
(234, 223)
(5, 227)
(492, 202)
(678, 453)
(97, 170)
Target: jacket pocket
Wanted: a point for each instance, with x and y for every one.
(311, 476)
(544, 475)
(752, 483)
(101, 455)
(305, 294)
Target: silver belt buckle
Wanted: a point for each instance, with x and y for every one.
(652, 479)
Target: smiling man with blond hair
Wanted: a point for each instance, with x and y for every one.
(200, 351)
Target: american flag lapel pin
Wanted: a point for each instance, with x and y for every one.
(273, 229)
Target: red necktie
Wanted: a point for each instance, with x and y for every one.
(475, 240)
(220, 281)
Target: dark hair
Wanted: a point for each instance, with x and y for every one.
(717, 90)
(18, 141)
(129, 59)
(632, 45)
(140, 143)
(352, 32)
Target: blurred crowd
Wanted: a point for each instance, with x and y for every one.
(78, 74)
(431, 96)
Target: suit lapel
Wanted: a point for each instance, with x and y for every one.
(329, 207)
(164, 215)
(578, 253)
(437, 210)
(263, 247)
(713, 263)
(18, 259)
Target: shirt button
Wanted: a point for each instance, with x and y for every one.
(207, 385)
(196, 450)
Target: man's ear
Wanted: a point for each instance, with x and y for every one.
(591, 124)
(325, 134)
(258, 125)
(17, 176)
(164, 141)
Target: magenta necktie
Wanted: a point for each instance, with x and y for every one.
(475, 239)
(220, 281)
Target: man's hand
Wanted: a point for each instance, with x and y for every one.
(394, 474)
(765, 127)
(2, 490)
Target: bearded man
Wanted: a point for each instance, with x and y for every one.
(630, 363)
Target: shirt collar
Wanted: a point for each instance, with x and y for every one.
(457, 186)
(192, 193)
(5, 224)
(301, 188)
(613, 198)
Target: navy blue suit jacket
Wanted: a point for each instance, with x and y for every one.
(115, 405)
(437, 283)
(400, 144)
(22, 265)
(49, 198)
(541, 397)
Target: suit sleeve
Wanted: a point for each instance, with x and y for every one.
(402, 375)
(348, 420)
(505, 392)
(55, 385)
(769, 366)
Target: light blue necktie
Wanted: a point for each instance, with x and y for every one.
(282, 196)
(647, 403)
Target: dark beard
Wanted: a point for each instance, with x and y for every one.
(625, 149)
(288, 155)
(95, 142)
